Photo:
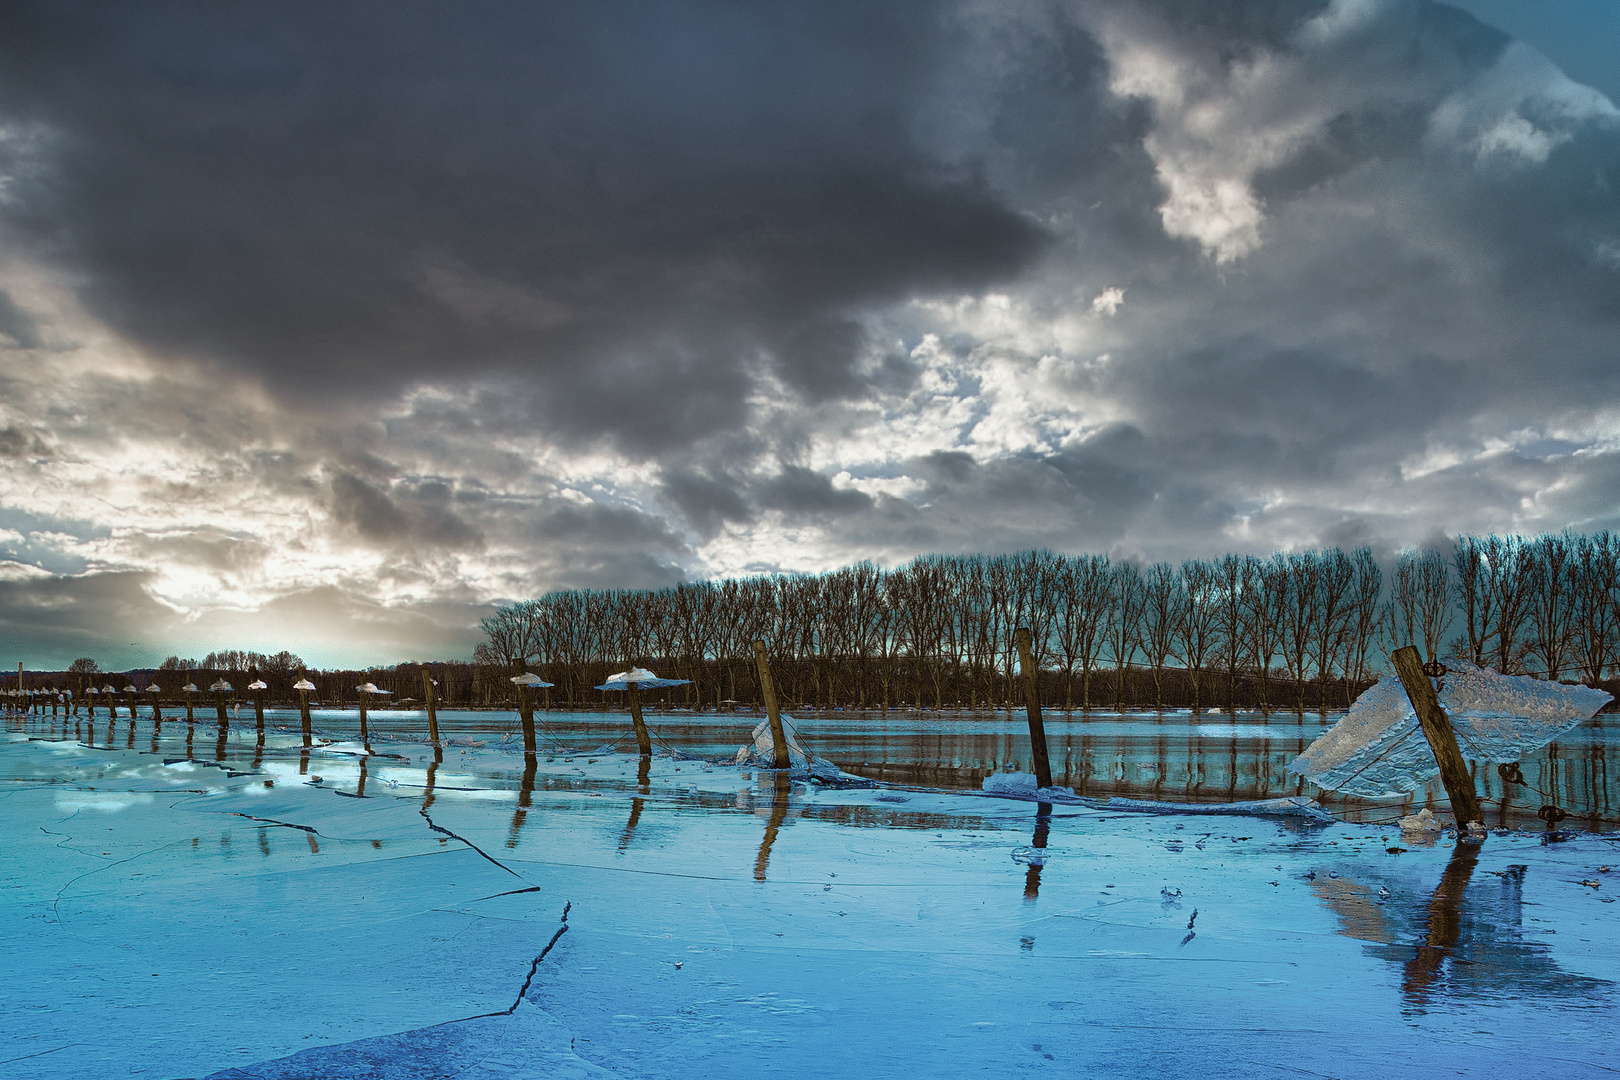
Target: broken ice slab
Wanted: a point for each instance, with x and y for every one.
(1017, 785)
(1292, 806)
(1378, 749)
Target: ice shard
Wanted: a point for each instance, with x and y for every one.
(1378, 749)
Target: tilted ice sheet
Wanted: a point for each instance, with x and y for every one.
(1378, 747)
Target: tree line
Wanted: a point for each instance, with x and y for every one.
(1296, 629)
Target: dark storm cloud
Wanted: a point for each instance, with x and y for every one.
(595, 195)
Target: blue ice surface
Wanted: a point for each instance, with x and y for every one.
(164, 918)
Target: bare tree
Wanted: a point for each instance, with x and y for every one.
(1160, 626)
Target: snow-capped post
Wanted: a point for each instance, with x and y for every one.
(157, 712)
(432, 710)
(304, 686)
(364, 689)
(112, 702)
(632, 680)
(1032, 705)
(220, 689)
(767, 690)
(1436, 727)
(258, 687)
(525, 706)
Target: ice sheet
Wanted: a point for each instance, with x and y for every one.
(183, 919)
(1378, 748)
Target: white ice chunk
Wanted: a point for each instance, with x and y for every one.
(1018, 785)
(1378, 748)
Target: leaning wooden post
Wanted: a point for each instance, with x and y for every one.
(767, 689)
(1032, 705)
(432, 710)
(1436, 727)
(643, 741)
(365, 734)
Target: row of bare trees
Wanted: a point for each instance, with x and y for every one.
(1300, 629)
(939, 631)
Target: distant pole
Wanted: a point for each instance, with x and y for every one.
(643, 742)
(525, 708)
(1442, 740)
(1032, 705)
(258, 705)
(433, 712)
(303, 708)
(767, 689)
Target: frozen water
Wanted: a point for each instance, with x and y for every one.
(1293, 806)
(761, 754)
(1378, 748)
(174, 906)
(1017, 785)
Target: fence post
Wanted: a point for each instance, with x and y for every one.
(1436, 727)
(779, 748)
(1032, 705)
(643, 741)
(432, 710)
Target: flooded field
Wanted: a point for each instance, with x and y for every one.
(198, 901)
(1172, 756)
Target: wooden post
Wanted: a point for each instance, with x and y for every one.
(365, 734)
(219, 707)
(1442, 740)
(258, 706)
(767, 689)
(531, 745)
(303, 712)
(189, 695)
(643, 742)
(432, 711)
(1032, 705)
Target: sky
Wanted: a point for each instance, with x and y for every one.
(329, 328)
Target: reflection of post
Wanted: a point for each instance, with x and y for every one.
(1032, 705)
(1043, 826)
(360, 788)
(1442, 740)
(427, 797)
(525, 798)
(630, 826)
(432, 708)
(643, 742)
(767, 689)
(779, 809)
(219, 743)
(1443, 925)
